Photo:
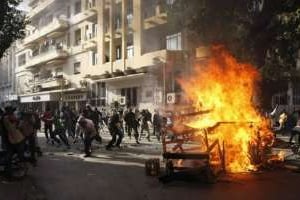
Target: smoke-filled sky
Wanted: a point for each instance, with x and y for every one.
(24, 5)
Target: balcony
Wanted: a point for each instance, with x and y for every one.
(45, 83)
(155, 16)
(57, 27)
(89, 14)
(32, 2)
(52, 55)
(158, 57)
(90, 44)
(39, 8)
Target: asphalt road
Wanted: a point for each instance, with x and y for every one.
(121, 177)
(119, 174)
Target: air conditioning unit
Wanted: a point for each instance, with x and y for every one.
(171, 98)
(122, 101)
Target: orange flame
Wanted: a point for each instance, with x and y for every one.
(227, 88)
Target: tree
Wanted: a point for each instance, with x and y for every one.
(12, 24)
(265, 33)
(281, 53)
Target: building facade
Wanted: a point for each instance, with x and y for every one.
(7, 77)
(99, 52)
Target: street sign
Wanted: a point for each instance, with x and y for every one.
(171, 98)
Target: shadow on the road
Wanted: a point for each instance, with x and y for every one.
(66, 177)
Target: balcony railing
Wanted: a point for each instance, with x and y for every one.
(45, 83)
(40, 7)
(150, 12)
(155, 16)
(55, 25)
(50, 55)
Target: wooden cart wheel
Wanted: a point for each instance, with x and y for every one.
(210, 176)
(169, 167)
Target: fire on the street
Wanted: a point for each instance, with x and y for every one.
(227, 88)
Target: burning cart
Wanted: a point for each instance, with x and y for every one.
(184, 156)
(190, 152)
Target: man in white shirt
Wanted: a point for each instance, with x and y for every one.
(89, 133)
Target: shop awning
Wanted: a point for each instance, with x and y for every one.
(121, 78)
(45, 96)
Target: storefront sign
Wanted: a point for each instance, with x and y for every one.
(37, 98)
(13, 97)
(75, 97)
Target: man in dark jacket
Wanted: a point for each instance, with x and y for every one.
(156, 124)
(69, 121)
(116, 130)
(145, 120)
(132, 124)
(26, 126)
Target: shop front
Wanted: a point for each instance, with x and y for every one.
(138, 91)
(75, 101)
(40, 101)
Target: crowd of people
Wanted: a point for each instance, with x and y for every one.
(19, 128)
(286, 123)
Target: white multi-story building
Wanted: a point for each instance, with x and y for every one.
(99, 51)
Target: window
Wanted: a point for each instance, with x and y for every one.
(90, 4)
(77, 7)
(118, 22)
(87, 32)
(106, 22)
(129, 19)
(90, 31)
(130, 51)
(35, 51)
(170, 2)
(77, 37)
(280, 99)
(22, 60)
(77, 68)
(101, 90)
(174, 42)
(129, 6)
(94, 91)
(68, 40)
(58, 72)
(150, 8)
(94, 30)
(118, 52)
(48, 19)
(94, 58)
(130, 48)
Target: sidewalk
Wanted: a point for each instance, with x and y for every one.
(292, 161)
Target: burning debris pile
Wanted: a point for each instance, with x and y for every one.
(226, 88)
